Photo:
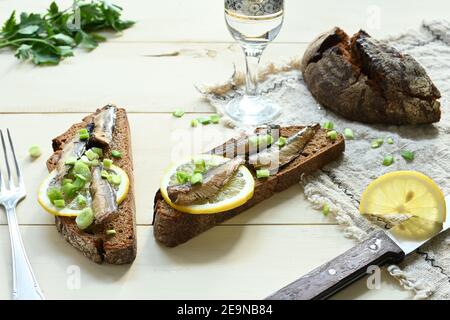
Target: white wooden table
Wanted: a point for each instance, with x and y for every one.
(249, 256)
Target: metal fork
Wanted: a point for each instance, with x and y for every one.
(25, 286)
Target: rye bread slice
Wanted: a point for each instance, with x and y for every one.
(366, 80)
(172, 227)
(96, 245)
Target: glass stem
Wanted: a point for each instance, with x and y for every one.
(252, 58)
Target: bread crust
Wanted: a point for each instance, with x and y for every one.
(172, 227)
(97, 246)
(366, 80)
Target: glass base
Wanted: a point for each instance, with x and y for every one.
(252, 110)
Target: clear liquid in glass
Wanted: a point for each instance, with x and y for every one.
(254, 29)
(253, 24)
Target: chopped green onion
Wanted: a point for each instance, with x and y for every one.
(114, 179)
(35, 151)
(85, 218)
(82, 169)
(211, 163)
(266, 139)
(81, 200)
(328, 125)
(91, 155)
(196, 178)
(107, 163)
(408, 155)
(262, 174)
(85, 160)
(69, 190)
(104, 174)
(204, 120)
(325, 209)
(388, 160)
(84, 134)
(332, 135)
(65, 181)
(98, 151)
(348, 133)
(194, 123)
(116, 154)
(281, 142)
(59, 203)
(377, 143)
(54, 194)
(70, 161)
(390, 140)
(79, 182)
(253, 140)
(260, 140)
(200, 166)
(111, 232)
(178, 113)
(183, 177)
(215, 118)
(94, 163)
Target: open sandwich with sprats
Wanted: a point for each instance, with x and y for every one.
(202, 191)
(90, 187)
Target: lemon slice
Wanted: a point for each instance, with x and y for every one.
(235, 193)
(44, 201)
(406, 193)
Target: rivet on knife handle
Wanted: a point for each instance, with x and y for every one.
(335, 275)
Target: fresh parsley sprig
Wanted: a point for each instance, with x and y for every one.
(46, 39)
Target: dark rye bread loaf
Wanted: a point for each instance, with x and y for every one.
(366, 80)
(118, 249)
(172, 227)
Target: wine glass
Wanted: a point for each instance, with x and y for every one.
(253, 24)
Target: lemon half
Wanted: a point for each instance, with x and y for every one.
(235, 193)
(405, 193)
(44, 201)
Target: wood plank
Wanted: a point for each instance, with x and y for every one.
(158, 139)
(127, 74)
(219, 264)
(202, 20)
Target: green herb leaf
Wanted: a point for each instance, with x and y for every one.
(61, 38)
(64, 51)
(24, 52)
(47, 38)
(28, 30)
(45, 56)
(53, 9)
(86, 41)
(10, 25)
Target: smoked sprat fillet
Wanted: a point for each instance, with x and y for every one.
(366, 80)
(95, 243)
(214, 180)
(172, 227)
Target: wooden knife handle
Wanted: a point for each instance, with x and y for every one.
(335, 275)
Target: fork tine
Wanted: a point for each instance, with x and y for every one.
(19, 174)
(2, 184)
(8, 170)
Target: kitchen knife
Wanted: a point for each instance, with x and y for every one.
(382, 248)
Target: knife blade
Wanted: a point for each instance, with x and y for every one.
(380, 249)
